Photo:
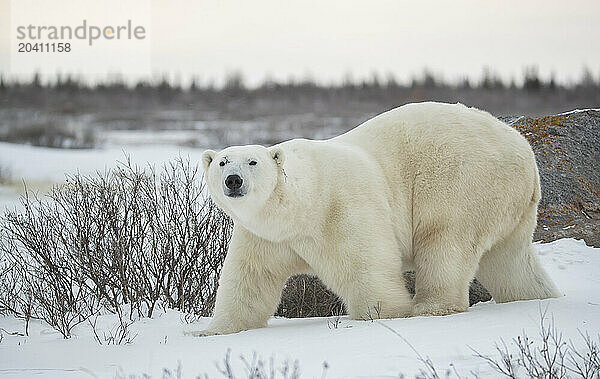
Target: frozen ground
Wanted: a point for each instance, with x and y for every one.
(33, 163)
(41, 167)
(354, 349)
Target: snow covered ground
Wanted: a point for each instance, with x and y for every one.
(41, 167)
(353, 349)
(39, 164)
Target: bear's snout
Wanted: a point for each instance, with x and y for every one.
(233, 182)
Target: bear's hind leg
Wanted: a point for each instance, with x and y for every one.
(444, 270)
(511, 269)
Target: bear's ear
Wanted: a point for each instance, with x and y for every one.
(207, 158)
(277, 155)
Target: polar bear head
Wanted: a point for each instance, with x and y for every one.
(242, 178)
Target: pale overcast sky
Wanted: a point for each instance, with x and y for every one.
(327, 39)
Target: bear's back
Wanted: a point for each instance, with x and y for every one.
(421, 135)
(463, 158)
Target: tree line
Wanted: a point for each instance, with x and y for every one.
(235, 83)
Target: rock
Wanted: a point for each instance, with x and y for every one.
(567, 149)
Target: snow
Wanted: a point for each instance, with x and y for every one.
(354, 349)
(579, 111)
(514, 120)
(33, 163)
(42, 167)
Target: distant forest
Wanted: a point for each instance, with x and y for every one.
(533, 95)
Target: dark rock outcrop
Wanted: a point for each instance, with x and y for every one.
(567, 149)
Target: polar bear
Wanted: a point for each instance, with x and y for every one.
(448, 191)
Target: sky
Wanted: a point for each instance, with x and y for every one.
(324, 40)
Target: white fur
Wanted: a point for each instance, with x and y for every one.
(446, 190)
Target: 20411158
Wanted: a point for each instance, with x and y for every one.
(41, 47)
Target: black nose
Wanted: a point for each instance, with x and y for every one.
(233, 182)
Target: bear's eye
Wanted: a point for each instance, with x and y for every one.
(221, 163)
(252, 163)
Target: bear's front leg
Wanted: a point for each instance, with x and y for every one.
(444, 269)
(250, 284)
(368, 275)
(379, 297)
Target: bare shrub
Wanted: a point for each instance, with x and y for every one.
(15, 298)
(43, 281)
(336, 321)
(306, 296)
(550, 356)
(130, 236)
(167, 373)
(119, 334)
(257, 368)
